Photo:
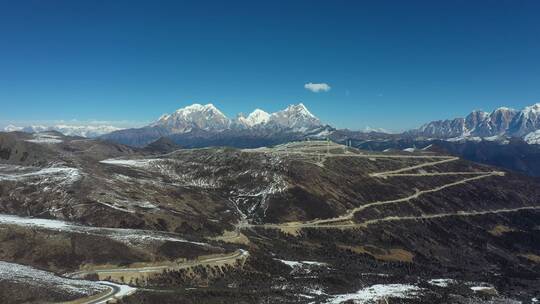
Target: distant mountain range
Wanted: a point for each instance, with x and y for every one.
(501, 124)
(200, 125)
(205, 125)
(505, 137)
(90, 131)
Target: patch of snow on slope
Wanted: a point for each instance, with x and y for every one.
(442, 282)
(465, 138)
(53, 174)
(378, 292)
(291, 264)
(43, 138)
(12, 272)
(302, 266)
(129, 236)
(482, 287)
(167, 167)
(34, 222)
(137, 163)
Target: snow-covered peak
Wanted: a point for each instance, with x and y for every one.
(206, 117)
(502, 121)
(198, 108)
(257, 117)
(504, 109)
(479, 113)
(164, 117)
(526, 121)
(533, 109)
(296, 117)
(299, 109)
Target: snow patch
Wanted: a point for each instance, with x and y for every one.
(378, 292)
(302, 266)
(483, 288)
(442, 282)
(63, 175)
(24, 274)
(128, 236)
(44, 138)
(137, 163)
(465, 138)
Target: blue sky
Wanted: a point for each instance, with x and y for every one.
(390, 64)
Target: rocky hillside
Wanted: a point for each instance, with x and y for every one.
(301, 222)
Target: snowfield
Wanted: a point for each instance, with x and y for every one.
(378, 292)
(27, 275)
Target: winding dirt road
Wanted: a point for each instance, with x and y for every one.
(346, 220)
(231, 257)
(118, 291)
(349, 215)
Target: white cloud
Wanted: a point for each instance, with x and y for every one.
(317, 87)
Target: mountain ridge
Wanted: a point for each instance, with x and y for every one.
(202, 121)
(207, 120)
(502, 122)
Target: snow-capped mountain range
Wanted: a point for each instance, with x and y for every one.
(89, 131)
(501, 123)
(195, 122)
(203, 121)
(209, 118)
